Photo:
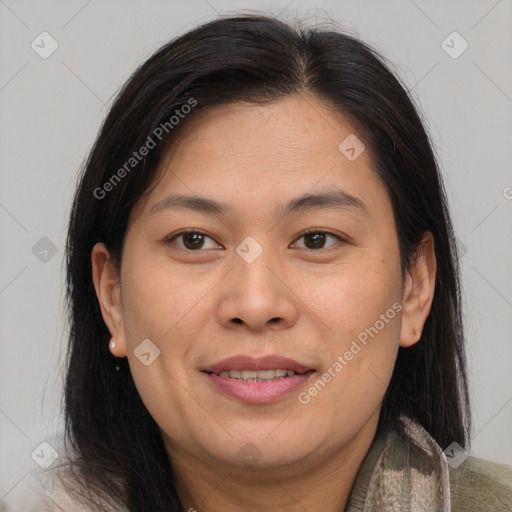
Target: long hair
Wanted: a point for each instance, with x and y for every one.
(117, 446)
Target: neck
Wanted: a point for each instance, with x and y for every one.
(317, 482)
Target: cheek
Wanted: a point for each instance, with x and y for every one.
(157, 299)
(351, 296)
(358, 368)
(161, 304)
(360, 302)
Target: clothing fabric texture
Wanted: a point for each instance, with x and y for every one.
(405, 470)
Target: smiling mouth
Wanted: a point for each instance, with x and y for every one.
(259, 375)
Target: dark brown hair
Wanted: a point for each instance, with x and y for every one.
(116, 443)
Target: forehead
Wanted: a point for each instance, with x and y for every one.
(265, 153)
(289, 129)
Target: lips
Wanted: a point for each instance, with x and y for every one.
(271, 362)
(262, 380)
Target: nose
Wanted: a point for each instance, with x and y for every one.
(257, 296)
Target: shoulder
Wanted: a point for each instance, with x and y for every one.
(59, 500)
(476, 484)
(61, 489)
(38, 492)
(46, 491)
(481, 485)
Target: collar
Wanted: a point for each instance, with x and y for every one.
(403, 471)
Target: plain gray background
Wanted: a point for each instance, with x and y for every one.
(51, 110)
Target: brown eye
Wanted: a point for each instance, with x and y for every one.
(317, 239)
(192, 240)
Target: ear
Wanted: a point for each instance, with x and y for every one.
(418, 291)
(107, 285)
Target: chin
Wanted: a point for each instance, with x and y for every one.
(264, 449)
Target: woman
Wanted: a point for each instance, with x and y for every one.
(263, 290)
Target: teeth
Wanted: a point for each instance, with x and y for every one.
(257, 376)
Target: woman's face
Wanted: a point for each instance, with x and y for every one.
(249, 284)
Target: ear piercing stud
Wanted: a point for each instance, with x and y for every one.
(112, 345)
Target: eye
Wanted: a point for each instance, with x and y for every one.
(315, 239)
(192, 240)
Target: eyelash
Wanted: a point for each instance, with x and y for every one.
(171, 239)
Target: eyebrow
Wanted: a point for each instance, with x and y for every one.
(335, 198)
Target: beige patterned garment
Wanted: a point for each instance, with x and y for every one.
(407, 472)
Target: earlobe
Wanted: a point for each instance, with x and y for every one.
(418, 291)
(106, 283)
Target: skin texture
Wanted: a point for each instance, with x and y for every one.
(204, 305)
